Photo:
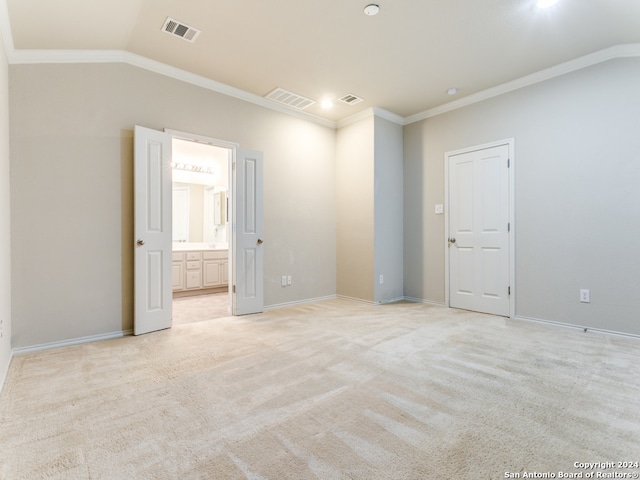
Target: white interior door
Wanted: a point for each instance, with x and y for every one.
(248, 249)
(152, 228)
(479, 229)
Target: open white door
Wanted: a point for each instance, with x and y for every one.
(248, 249)
(152, 229)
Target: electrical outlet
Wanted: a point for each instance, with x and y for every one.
(381, 279)
(439, 209)
(284, 281)
(289, 280)
(585, 295)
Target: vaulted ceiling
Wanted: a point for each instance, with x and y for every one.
(403, 60)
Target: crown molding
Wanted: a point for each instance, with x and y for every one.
(22, 57)
(387, 115)
(611, 53)
(118, 56)
(371, 112)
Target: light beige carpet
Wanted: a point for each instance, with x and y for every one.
(199, 308)
(331, 390)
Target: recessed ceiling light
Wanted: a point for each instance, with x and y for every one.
(452, 91)
(371, 9)
(546, 3)
(327, 104)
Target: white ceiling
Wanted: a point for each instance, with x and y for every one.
(403, 60)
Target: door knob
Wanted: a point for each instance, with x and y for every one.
(260, 241)
(451, 241)
(140, 243)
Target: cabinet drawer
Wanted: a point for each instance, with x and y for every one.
(177, 257)
(193, 265)
(193, 256)
(215, 254)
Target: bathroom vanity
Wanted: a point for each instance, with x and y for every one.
(200, 269)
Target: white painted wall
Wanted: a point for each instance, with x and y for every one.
(577, 173)
(5, 235)
(72, 191)
(355, 210)
(388, 208)
(369, 183)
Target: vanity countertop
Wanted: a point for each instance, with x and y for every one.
(198, 246)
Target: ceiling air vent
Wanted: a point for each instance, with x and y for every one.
(174, 27)
(350, 99)
(290, 99)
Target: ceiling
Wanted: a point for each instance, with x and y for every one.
(402, 60)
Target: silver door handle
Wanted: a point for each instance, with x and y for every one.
(260, 241)
(452, 241)
(140, 243)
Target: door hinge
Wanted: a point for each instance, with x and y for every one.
(509, 290)
(233, 289)
(508, 163)
(509, 227)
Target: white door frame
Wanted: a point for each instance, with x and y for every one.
(512, 276)
(233, 147)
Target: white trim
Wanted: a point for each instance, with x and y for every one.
(3, 375)
(389, 300)
(192, 137)
(5, 30)
(119, 56)
(618, 51)
(422, 300)
(355, 118)
(509, 142)
(353, 299)
(387, 115)
(576, 327)
(371, 112)
(299, 302)
(72, 341)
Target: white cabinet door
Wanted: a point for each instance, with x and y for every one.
(177, 275)
(211, 273)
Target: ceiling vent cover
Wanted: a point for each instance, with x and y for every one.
(290, 99)
(350, 99)
(174, 27)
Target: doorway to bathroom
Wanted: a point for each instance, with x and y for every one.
(243, 266)
(200, 229)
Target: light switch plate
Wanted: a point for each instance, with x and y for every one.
(439, 209)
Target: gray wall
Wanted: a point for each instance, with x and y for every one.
(388, 207)
(355, 216)
(5, 250)
(72, 192)
(577, 195)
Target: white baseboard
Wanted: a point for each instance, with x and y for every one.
(389, 300)
(422, 300)
(3, 374)
(298, 302)
(575, 327)
(72, 341)
(352, 299)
